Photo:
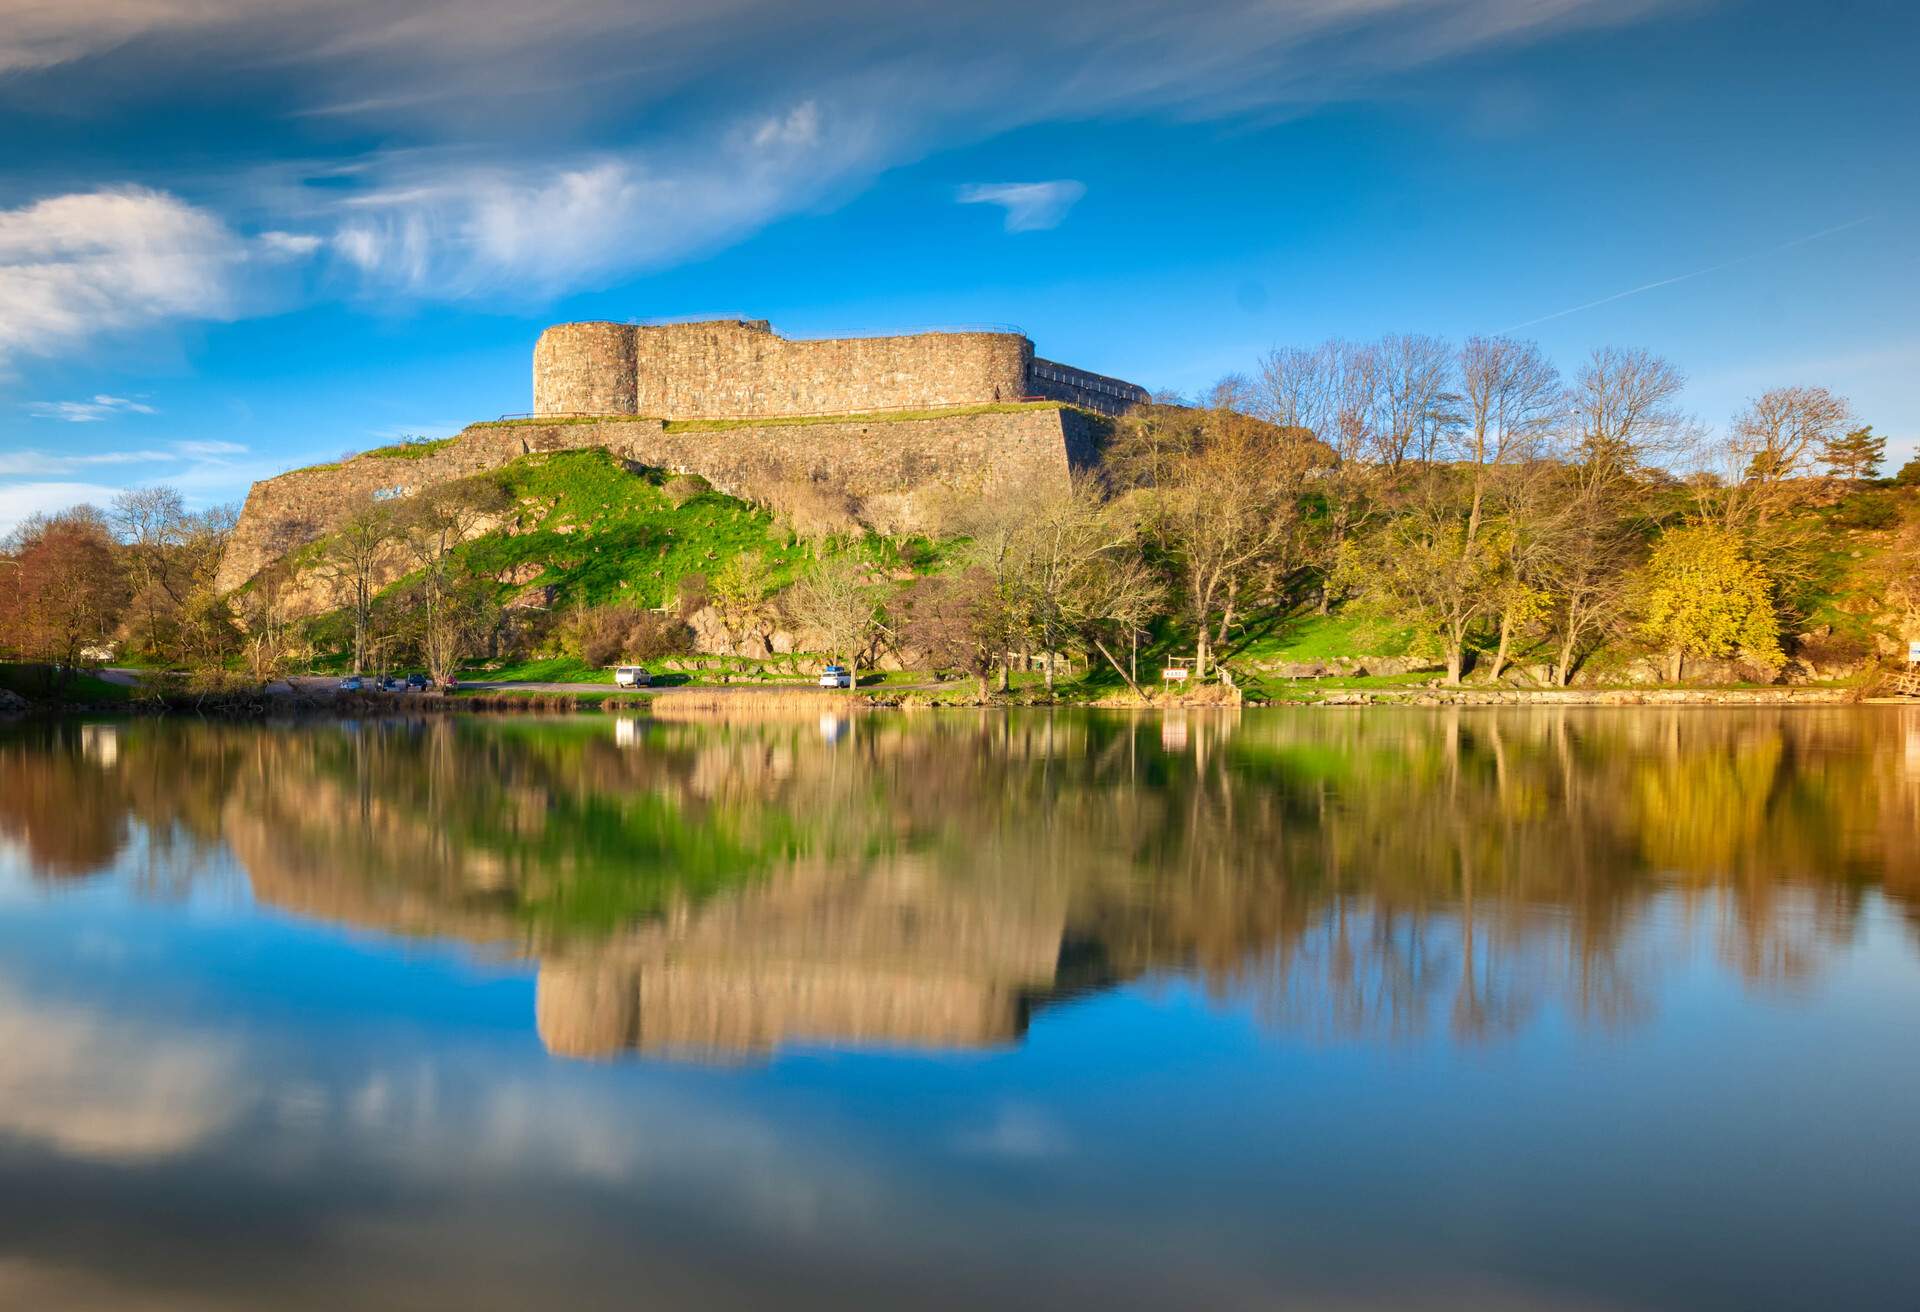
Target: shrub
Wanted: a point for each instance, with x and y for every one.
(814, 510)
(682, 488)
(1868, 510)
(607, 635)
(691, 594)
(1831, 649)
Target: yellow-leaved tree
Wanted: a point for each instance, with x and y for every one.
(1705, 597)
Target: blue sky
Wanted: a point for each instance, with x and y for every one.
(241, 235)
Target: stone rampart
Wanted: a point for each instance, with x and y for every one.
(742, 369)
(1062, 382)
(585, 369)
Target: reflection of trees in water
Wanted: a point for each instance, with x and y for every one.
(1344, 873)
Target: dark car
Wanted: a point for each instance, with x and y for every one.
(391, 684)
(416, 683)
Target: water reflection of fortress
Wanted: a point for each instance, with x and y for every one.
(891, 958)
(861, 956)
(732, 889)
(880, 951)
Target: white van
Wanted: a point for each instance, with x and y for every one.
(631, 676)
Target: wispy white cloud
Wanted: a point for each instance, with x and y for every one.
(78, 265)
(209, 451)
(434, 226)
(38, 482)
(88, 412)
(1030, 206)
(506, 173)
(292, 245)
(20, 501)
(35, 464)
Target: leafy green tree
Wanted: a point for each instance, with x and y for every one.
(739, 592)
(1420, 567)
(1705, 597)
(1856, 456)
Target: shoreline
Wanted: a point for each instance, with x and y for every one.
(735, 700)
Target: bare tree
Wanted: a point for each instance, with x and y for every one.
(260, 614)
(1416, 398)
(1117, 593)
(1332, 393)
(994, 529)
(1063, 535)
(149, 522)
(954, 621)
(1227, 516)
(1583, 570)
(1624, 418)
(1775, 441)
(68, 591)
(453, 614)
(1512, 399)
(353, 557)
(837, 598)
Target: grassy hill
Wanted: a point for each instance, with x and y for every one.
(587, 529)
(598, 532)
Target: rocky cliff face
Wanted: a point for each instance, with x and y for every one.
(895, 474)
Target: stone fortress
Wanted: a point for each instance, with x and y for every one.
(741, 369)
(894, 427)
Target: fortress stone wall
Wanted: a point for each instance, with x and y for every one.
(648, 386)
(728, 369)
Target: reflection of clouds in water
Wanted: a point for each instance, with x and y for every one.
(138, 1089)
(1015, 1133)
(456, 1123)
(16, 871)
(110, 1089)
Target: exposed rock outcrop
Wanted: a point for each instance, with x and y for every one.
(897, 475)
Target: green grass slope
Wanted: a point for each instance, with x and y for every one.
(599, 532)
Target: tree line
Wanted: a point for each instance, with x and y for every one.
(1500, 508)
(1471, 491)
(135, 582)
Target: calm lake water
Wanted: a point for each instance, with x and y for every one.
(1315, 1009)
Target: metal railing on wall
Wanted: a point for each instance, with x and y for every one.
(534, 417)
(909, 330)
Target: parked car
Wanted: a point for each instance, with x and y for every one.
(416, 683)
(449, 684)
(391, 684)
(836, 676)
(352, 683)
(631, 676)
